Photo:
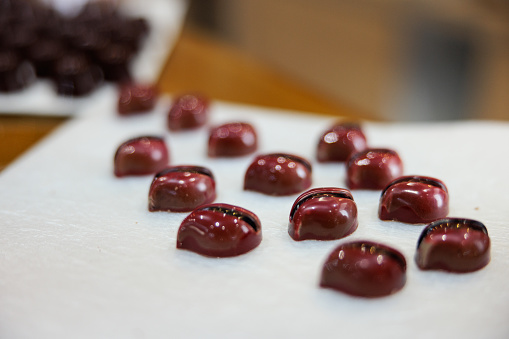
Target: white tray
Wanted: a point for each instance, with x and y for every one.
(82, 257)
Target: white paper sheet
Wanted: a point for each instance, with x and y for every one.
(81, 256)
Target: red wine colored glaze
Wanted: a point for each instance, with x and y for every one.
(323, 214)
(364, 269)
(454, 245)
(220, 230)
(278, 174)
(232, 140)
(181, 189)
(414, 200)
(373, 169)
(141, 156)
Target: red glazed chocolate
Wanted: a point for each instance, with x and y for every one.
(188, 112)
(141, 156)
(181, 189)
(278, 174)
(373, 169)
(414, 200)
(454, 245)
(364, 269)
(323, 214)
(220, 230)
(136, 98)
(232, 140)
(341, 141)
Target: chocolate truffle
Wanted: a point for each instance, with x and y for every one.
(278, 174)
(181, 189)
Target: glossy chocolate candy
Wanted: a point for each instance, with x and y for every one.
(373, 169)
(232, 140)
(365, 269)
(454, 245)
(188, 111)
(323, 214)
(136, 98)
(339, 142)
(220, 230)
(141, 156)
(278, 174)
(181, 189)
(414, 200)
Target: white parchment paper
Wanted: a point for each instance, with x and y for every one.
(81, 256)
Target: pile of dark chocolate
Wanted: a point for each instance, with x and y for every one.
(77, 53)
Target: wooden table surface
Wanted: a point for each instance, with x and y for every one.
(200, 63)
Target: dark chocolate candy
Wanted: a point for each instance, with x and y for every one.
(414, 200)
(220, 230)
(278, 174)
(323, 214)
(141, 156)
(454, 245)
(373, 169)
(365, 269)
(181, 189)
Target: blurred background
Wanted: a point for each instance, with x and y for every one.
(391, 59)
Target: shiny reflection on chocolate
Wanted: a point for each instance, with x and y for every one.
(323, 214)
(365, 269)
(141, 156)
(454, 245)
(232, 140)
(136, 98)
(188, 111)
(340, 141)
(181, 189)
(278, 174)
(414, 200)
(220, 230)
(373, 169)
